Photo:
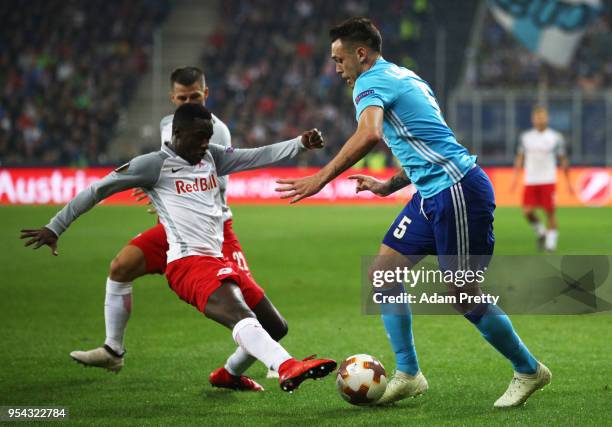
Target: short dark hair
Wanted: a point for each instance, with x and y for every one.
(358, 30)
(189, 115)
(187, 76)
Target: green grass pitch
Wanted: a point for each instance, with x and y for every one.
(308, 260)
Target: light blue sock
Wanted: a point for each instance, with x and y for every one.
(496, 327)
(398, 324)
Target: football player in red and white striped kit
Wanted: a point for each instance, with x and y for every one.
(182, 182)
(539, 149)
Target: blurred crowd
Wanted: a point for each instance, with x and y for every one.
(69, 67)
(270, 74)
(66, 69)
(503, 61)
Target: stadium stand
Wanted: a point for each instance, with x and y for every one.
(270, 73)
(502, 61)
(492, 104)
(267, 68)
(69, 68)
(66, 68)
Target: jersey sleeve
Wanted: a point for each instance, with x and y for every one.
(142, 171)
(373, 90)
(230, 160)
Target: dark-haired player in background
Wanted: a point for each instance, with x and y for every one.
(182, 182)
(451, 214)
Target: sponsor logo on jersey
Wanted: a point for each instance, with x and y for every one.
(198, 184)
(229, 149)
(226, 270)
(363, 95)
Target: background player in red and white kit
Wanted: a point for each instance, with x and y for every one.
(146, 254)
(539, 149)
(182, 182)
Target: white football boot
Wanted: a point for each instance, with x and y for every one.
(522, 386)
(99, 357)
(402, 386)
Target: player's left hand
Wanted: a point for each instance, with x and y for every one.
(39, 237)
(369, 183)
(298, 189)
(312, 139)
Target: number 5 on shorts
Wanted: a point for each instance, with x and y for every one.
(401, 228)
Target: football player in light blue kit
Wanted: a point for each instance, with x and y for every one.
(451, 215)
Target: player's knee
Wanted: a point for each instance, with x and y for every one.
(119, 270)
(125, 267)
(226, 305)
(463, 304)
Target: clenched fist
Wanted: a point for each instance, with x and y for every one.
(312, 139)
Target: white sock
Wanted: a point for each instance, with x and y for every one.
(539, 228)
(551, 240)
(239, 361)
(117, 310)
(253, 338)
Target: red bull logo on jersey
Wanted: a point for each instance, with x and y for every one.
(198, 184)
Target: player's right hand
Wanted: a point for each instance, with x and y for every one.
(368, 183)
(39, 237)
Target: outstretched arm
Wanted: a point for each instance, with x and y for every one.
(143, 171)
(367, 135)
(230, 160)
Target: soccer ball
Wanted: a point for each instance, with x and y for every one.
(361, 379)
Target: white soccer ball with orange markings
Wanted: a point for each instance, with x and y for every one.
(361, 379)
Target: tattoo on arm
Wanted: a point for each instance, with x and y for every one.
(398, 181)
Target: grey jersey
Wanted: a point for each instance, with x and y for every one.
(187, 197)
(221, 136)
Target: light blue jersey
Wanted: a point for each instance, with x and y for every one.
(413, 127)
(451, 215)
